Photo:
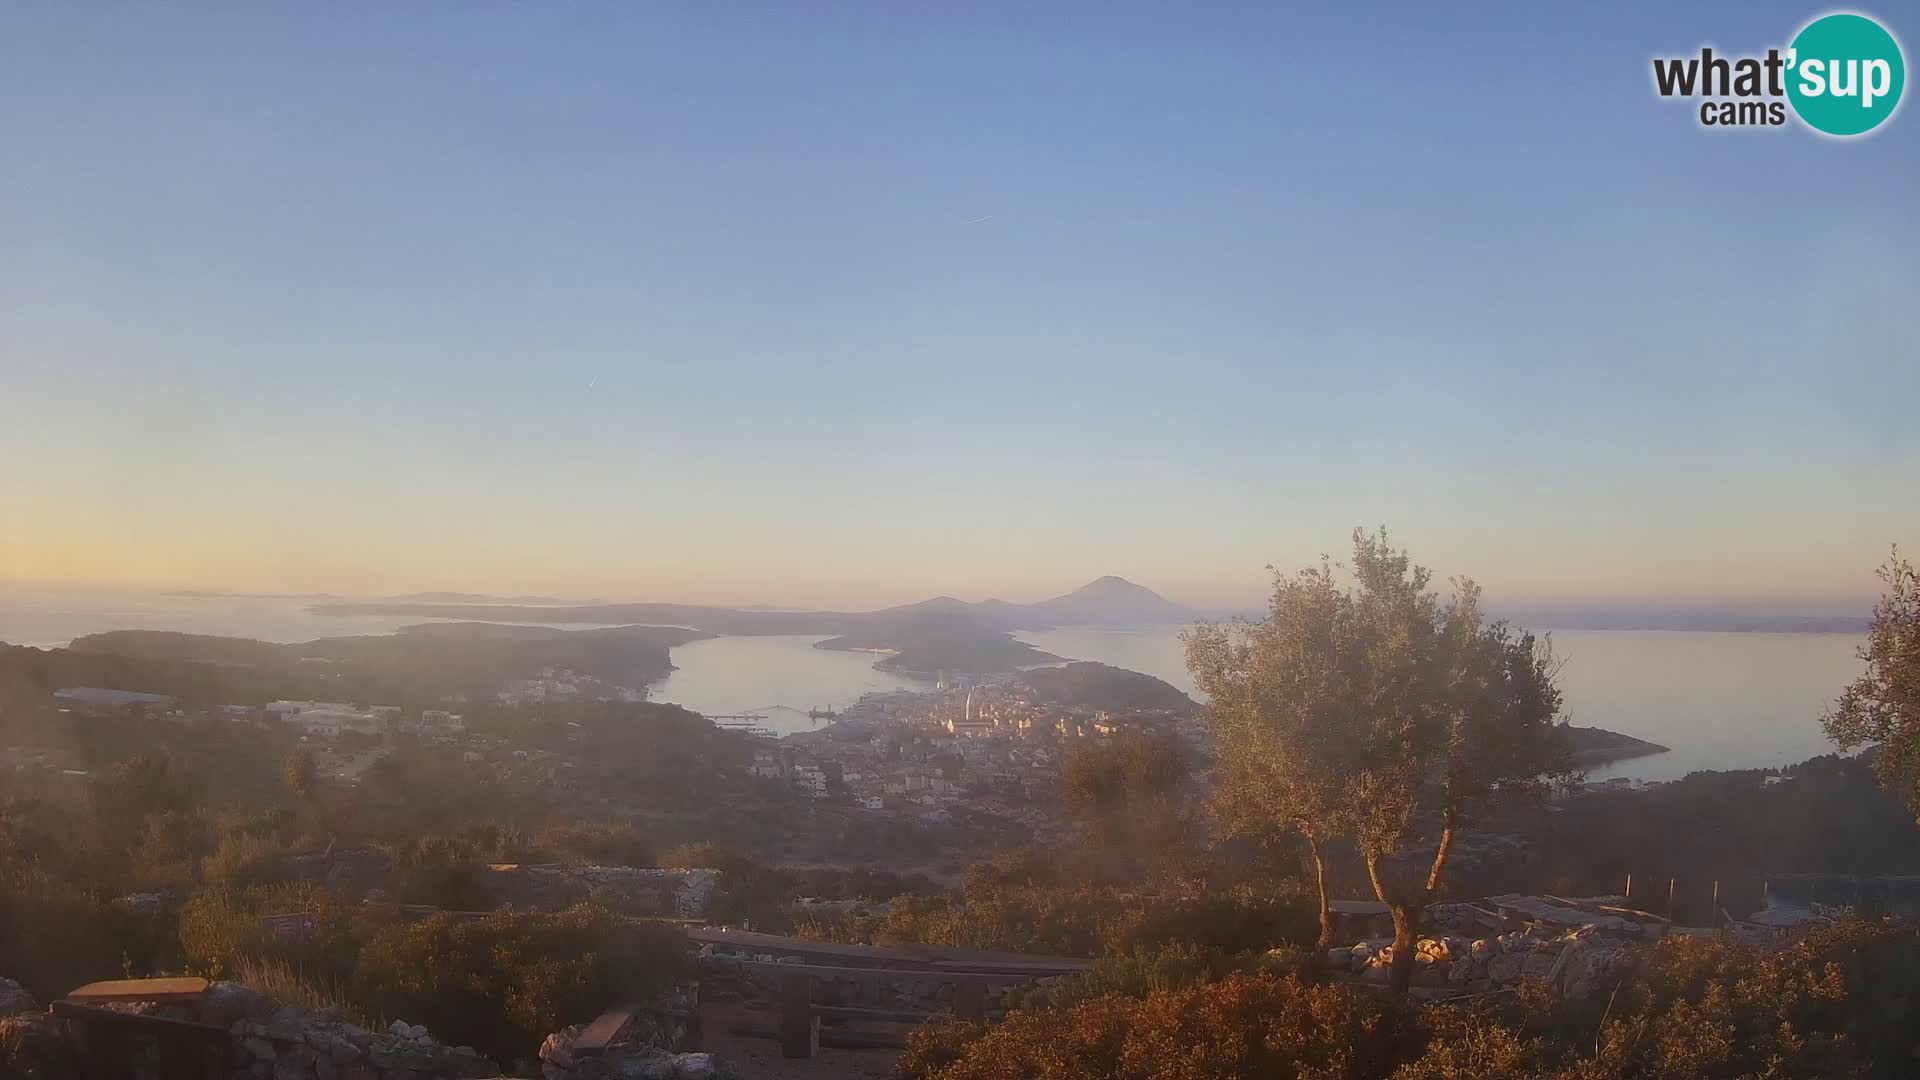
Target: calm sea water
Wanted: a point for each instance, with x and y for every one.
(1721, 701)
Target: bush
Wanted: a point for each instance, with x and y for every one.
(221, 929)
(1839, 1004)
(1083, 920)
(1242, 1026)
(605, 844)
(502, 983)
(244, 860)
(1145, 971)
(284, 982)
(53, 936)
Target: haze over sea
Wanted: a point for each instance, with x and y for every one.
(1719, 700)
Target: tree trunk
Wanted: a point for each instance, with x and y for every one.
(1406, 938)
(1438, 871)
(1317, 963)
(1406, 927)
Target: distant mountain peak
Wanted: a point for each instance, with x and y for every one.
(1113, 599)
(1114, 585)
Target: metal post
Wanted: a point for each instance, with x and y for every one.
(1669, 901)
(1716, 904)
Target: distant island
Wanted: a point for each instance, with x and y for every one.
(928, 645)
(1102, 686)
(423, 663)
(1597, 746)
(938, 635)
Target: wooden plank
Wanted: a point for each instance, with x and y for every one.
(933, 975)
(177, 989)
(604, 1031)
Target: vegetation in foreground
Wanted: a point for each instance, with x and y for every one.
(1838, 1004)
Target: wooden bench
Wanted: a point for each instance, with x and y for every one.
(116, 1042)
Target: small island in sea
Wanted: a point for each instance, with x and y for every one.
(1598, 746)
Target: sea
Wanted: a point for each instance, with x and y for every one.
(1717, 700)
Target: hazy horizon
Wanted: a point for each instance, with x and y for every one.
(854, 307)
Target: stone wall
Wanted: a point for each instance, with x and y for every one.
(1576, 962)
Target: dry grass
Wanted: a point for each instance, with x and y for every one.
(289, 985)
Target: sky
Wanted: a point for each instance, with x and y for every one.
(857, 303)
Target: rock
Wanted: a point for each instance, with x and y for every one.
(1481, 949)
(261, 1049)
(400, 1028)
(15, 1000)
(325, 1069)
(1339, 958)
(1539, 962)
(557, 1048)
(1506, 967)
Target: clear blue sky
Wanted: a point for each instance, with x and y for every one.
(854, 303)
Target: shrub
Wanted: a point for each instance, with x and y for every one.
(612, 844)
(503, 982)
(1242, 1026)
(54, 936)
(244, 860)
(1083, 920)
(1839, 1004)
(221, 928)
(284, 982)
(1138, 974)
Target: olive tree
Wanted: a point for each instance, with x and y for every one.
(1283, 711)
(1882, 707)
(1373, 711)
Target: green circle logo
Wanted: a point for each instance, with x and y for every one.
(1845, 74)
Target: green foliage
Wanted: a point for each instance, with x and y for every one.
(1129, 791)
(53, 935)
(299, 774)
(140, 786)
(244, 860)
(1838, 1004)
(1136, 974)
(169, 850)
(443, 871)
(1242, 1026)
(221, 929)
(282, 981)
(604, 843)
(1882, 707)
(1362, 711)
(1083, 919)
(503, 982)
